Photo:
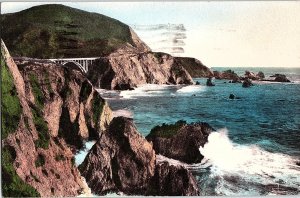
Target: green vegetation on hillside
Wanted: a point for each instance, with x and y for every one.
(12, 184)
(11, 107)
(42, 129)
(40, 161)
(53, 31)
(37, 91)
(97, 107)
(167, 130)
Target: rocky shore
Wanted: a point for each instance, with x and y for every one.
(248, 76)
(59, 110)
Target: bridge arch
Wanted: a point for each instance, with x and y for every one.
(75, 65)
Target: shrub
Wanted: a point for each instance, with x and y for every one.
(97, 107)
(60, 158)
(40, 161)
(37, 92)
(12, 184)
(42, 129)
(11, 107)
(166, 130)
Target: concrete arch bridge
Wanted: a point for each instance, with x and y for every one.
(82, 63)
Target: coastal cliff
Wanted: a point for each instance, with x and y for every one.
(128, 67)
(125, 61)
(47, 112)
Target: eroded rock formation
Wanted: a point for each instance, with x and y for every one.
(123, 160)
(180, 141)
(127, 67)
(58, 109)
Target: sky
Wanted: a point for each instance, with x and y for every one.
(236, 34)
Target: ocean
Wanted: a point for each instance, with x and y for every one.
(255, 149)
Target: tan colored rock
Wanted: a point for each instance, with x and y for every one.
(127, 67)
(50, 170)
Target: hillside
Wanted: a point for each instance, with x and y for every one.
(194, 67)
(53, 31)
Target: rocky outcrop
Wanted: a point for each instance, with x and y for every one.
(59, 108)
(280, 78)
(127, 67)
(123, 160)
(247, 83)
(171, 180)
(180, 141)
(209, 82)
(252, 76)
(228, 75)
(194, 67)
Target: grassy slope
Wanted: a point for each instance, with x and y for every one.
(167, 130)
(49, 31)
(12, 184)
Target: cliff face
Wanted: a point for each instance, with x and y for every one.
(49, 110)
(195, 68)
(128, 67)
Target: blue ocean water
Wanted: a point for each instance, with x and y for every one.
(256, 146)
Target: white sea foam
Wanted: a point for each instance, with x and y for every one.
(123, 112)
(191, 89)
(250, 164)
(145, 90)
(79, 157)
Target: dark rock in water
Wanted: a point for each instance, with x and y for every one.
(209, 82)
(280, 78)
(236, 80)
(247, 83)
(180, 141)
(170, 180)
(231, 96)
(122, 160)
(260, 75)
(298, 163)
(126, 86)
(228, 74)
(197, 83)
(250, 75)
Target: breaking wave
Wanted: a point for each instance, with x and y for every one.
(248, 169)
(191, 89)
(149, 90)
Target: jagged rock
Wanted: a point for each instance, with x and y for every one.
(250, 75)
(231, 96)
(194, 67)
(228, 75)
(209, 82)
(260, 75)
(280, 78)
(170, 180)
(122, 160)
(197, 83)
(180, 141)
(49, 95)
(247, 83)
(128, 67)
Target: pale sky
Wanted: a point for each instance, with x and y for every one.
(250, 34)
